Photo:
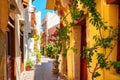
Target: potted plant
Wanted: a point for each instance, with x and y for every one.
(29, 64)
(38, 56)
(56, 63)
(49, 49)
(55, 67)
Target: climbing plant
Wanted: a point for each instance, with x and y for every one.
(106, 43)
(36, 38)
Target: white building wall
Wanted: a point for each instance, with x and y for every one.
(28, 42)
(27, 30)
(17, 46)
(25, 34)
(38, 26)
(38, 21)
(52, 19)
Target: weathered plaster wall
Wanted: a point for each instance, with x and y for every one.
(3, 27)
(77, 41)
(2, 55)
(109, 13)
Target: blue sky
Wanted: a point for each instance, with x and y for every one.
(41, 6)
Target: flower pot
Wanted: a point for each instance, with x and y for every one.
(28, 68)
(55, 70)
(56, 65)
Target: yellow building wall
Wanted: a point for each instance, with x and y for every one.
(112, 12)
(70, 65)
(50, 4)
(91, 31)
(70, 58)
(4, 11)
(109, 13)
(73, 58)
(76, 57)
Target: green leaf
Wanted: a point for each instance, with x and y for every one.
(117, 65)
(96, 75)
(74, 50)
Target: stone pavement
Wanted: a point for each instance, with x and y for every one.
(41, 71)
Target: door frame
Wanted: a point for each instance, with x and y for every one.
(10, 50)
(83, 63)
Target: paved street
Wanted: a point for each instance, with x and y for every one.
(42, 71)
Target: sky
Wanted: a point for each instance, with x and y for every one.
(41, 6)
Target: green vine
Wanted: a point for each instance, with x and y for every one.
(75, 12)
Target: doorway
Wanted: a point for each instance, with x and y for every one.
(10, 46)
(83, 63)
(22, 52)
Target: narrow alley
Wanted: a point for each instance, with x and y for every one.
(41, 71)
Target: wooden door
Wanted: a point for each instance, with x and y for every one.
(10, 45)
(83, 64)
(22, 54)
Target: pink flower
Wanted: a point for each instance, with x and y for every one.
(55, 34)
(70, 2)
(53, 38)
(49, 39)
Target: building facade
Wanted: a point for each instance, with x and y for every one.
(14, 40)
(12, 31)
(3, 27)
(32, 30)
(82, 35)
(49, 24)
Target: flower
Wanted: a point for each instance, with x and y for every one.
(49, 40)
(76, 5)
(61, 12)
(55, 33)
(70, 2)
(61, 25)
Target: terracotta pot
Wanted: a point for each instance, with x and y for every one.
(56, 65)
(28, 68)
(55, 70)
